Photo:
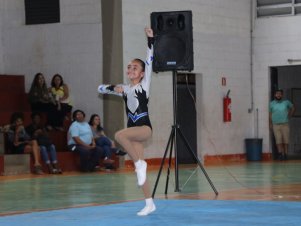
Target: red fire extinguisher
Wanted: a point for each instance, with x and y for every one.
(227, 107)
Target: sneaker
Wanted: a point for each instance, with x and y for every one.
(147, 210)
(108, 161)
(109, 167)
(285, 157)
(58, 170)
(97, 168)
(141, 172)
(120, 152)
(51, 170)
(38, 170)
(281, 157)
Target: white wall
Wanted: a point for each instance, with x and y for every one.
(276, 39)
(221, 49)
(221, 31)
(72, 48)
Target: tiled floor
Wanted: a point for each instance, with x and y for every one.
(244, 181)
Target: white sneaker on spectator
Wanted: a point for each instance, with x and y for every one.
(147, 210)
(141, 167)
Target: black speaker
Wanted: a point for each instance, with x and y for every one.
(173, 47)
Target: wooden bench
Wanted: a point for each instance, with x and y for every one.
(13, 99)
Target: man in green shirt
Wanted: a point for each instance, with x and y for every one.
(280, 112)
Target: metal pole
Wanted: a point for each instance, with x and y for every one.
(175, 96)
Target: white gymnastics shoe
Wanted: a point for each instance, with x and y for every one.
(147, 210)
(141, 167)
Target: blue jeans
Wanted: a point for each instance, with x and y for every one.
(106, 144)
(48, 151)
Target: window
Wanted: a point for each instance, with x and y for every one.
(42, 11)
(266, 8)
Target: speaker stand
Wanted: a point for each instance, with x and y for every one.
(172, 143)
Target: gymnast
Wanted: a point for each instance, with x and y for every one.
(139, 129)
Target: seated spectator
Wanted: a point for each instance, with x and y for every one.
(102, 140)
(60, 92)
(5, 128)
(42, 101)
(48, 151)
(80, 140)
(19, 141)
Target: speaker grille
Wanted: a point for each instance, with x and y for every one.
(169, 57)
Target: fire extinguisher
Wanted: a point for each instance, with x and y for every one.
(227, 107)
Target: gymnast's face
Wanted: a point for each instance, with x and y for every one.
(135, 72)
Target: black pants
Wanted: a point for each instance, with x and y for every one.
(89, 158)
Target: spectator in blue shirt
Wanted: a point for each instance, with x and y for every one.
(80, 140)
(280, 112)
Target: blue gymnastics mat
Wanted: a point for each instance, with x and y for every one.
(168, 213)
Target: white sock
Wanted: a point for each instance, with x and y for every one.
(137, 164)
(149, 201)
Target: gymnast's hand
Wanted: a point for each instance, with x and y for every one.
(149, 32)
(118, 89)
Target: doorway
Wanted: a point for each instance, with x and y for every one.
(288, 78)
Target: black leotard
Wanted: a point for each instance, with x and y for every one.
(136, 97)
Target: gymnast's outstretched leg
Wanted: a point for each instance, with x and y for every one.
(132, 140)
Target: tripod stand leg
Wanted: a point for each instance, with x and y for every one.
(197, 160)
(170, 139)
(169, 162)
(177, 187)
